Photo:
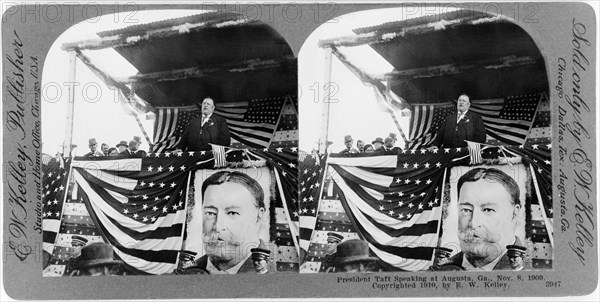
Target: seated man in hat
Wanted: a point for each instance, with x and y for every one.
(515, 256)
(260, 258)
(488, 211)
(333, 239)
(233, 207)
(207, 129)
(353, 256)
(96, 259)
(93, 149)
(348, 141)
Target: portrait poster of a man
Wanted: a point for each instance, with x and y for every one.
(229, 219)
(485, 216)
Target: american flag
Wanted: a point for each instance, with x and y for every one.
(311, 173)
(507, 120)
(425, 122)
(394, 201)
(250, 123)
(55, 187)
(139, 204)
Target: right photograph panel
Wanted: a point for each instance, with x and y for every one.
(425, 144)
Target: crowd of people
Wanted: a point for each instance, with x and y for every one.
(123, 148)
(377, 145)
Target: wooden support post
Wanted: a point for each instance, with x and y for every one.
(68, 141)
(323, 140)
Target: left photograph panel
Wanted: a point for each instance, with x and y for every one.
(169, 146)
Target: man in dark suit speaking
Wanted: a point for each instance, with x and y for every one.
(204, 130)
(461, 127)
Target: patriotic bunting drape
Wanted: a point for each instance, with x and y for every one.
(55, 182)
(507, 120)
(394, 202)
(138, 205)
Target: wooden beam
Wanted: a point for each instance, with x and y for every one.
(453, 69)
(419, 29)
(128, 39)
(198, 72)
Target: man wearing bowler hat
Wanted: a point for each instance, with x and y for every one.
(377, 143)
(96, 259)
(353, 256)
(348, 141)
(122, 148)
(93, 149)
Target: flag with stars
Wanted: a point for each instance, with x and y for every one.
(251, 123)
(507, 120)
(394, 201)
(55, 188)
(139, 204)
(311, 173)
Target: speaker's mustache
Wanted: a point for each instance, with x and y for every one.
(471, 235)
(217, 239)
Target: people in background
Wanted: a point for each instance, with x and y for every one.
(377, 143)
(368, 148)
(515, 256)
(122, 147)
(353, 256)
(360, 145)
(133, 150)
(348, 141)
(96, 259)
(93, 149)
(104, 149)
(112, 151)
(260, 258)
(333, 239)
